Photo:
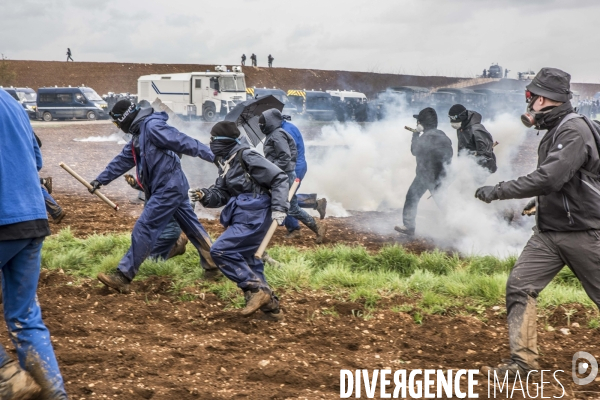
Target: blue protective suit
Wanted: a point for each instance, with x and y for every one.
(249, 200)
(304, 200)
(158, 169)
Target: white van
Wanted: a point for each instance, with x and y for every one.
(194, 94)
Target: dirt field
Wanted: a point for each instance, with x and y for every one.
(152, 345)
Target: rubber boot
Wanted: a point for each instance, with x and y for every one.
(293, 234)
(17, 384)
(322, 207)
(179, 247)
(116, 280)
(60, 217)
(319, 228)
(522, 335)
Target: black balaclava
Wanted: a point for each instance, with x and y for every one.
(123, 113)
(224, 137)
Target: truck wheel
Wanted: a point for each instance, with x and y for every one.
(47, 116)
(91, 116)
(209, 113)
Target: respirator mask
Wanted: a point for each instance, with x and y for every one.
(456, 125)
(420, 128)
(530, 117)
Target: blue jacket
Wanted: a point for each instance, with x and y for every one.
(159, 166)
(21, 196)
(300, 158)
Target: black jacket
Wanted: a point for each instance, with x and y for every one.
(265, 178)
(567, 198)
(279, 147)
(474, 138)
(432, 149)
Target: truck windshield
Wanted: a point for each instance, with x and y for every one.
(232, 84)
(27, 96)
(91, 94)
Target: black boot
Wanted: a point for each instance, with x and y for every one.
(116, 280)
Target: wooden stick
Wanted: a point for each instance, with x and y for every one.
(87, 185)
(265, 242)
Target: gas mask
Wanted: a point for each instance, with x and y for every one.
(420, 128)
(456, 125)
(530, 117)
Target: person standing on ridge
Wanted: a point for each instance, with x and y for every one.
(243, 60)
(69, 55)
(270, 60)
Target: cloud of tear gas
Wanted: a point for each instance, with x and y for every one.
(370, 168)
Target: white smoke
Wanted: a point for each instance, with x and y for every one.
(115, 137)
(370, 168)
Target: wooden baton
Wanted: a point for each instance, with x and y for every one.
(273, 227)
(87, 185)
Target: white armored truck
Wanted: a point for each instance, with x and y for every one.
(195, 94)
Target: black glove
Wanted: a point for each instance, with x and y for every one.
(95, 186)
(487, 193)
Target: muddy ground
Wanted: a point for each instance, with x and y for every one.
(152, 344)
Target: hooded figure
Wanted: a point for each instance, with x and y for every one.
(567, 193)
(254, 192)
(153, 151)
(280, 149)
(472, 136)
(433, 152)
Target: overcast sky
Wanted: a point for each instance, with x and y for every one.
(432, 37)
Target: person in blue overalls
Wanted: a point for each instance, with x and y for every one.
(254, 192)
(153, 151)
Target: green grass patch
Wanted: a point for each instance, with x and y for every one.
(437, 281)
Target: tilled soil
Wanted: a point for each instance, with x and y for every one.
(152, 345)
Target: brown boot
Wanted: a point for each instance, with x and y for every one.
(179, 247)
(293, 234)
(116, 280)
(271, 316)
(321, 231)
(212, 274)
(254, 301)
(17, 384)
(321, 207)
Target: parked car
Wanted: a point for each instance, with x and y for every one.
(313, 104)
(25, 96)
(70, 102)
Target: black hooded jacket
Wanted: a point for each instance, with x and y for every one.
(474, 138)
(567, 197)
(279, 147)
(432, 149)
(264, 178)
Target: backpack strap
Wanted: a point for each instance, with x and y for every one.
(247, 174)
(595, 135)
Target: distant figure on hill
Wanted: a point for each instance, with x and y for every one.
(69, 55)
(270, 59)
(243, 60)
(506, 71)
(485, 73)
(253, 58)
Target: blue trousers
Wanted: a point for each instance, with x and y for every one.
(158, 212)
(247, 220)
(52, 206)
(295, 213)
(20, 263)
(304, 200)
(166, 240)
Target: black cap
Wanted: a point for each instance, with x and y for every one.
(553, 84)
(225, 129)
(457, 113)
(428, 118)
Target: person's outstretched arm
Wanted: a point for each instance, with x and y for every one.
(167, 137)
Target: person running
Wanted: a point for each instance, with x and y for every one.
(153, 151)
